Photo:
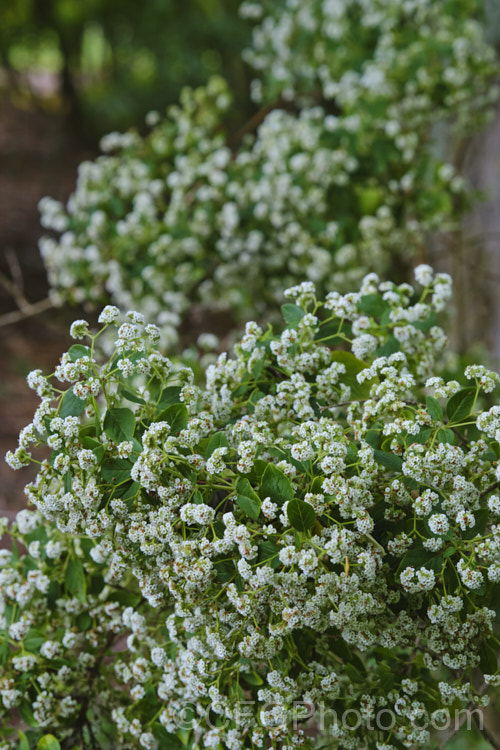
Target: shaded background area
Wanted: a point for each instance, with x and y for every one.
(105, 63)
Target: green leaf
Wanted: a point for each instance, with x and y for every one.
(353, 366)
(389, 460)
(185, 734)
(131, 491)
(422, 437)
(446, 436)
(37, 535)
(4, 652)
(245, 488)
(374, 436)
(48, 742)
(26, 714)
(276, 485)
(104, 731)
(252, 678)
(482, 518)
(166, 741)
(418, 558)
(301, 515)
(148, 705)
(333, 333)
(54, 593)
(488, 657)
(219, 529)
(218, 440)
(242, 389)
(278, 453)
(77, 351)
(352, 454)
(425, 325)
(258, 368)
(387, 681)
(169, 396)
(8, 613)
(256, 472)
(268, 552)
(177, 416)
(353, 674)
(83, 621)
(340, 648)
(71, 405)
(391, 346)
(23, 741)
(130, 396)
(249, 505)
(197, 498)
(125, 598)
(292, 314)
(460, 405)
(33, 640)
(119, 424)
(75, 579)
(116, 470)
(373, 304)
(95, 446)
(68, 480)
(369, 197)
(434, 408)
(224, 570)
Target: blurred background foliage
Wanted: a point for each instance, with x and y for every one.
(106, 63)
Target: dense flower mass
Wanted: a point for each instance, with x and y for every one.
(417, 56)
(342, 173)
(314, 533)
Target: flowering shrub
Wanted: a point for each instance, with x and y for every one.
(328, 188)
(409, 59)
(315, 526)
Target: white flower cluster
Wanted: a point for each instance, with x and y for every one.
(261, 539)
(401, 63)
(326, 192)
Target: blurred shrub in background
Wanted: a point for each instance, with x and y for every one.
(339, 174)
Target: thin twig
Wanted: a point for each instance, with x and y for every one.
(412, 655)
(256, 119)
(15, 272)
(28, 311)
(489, 489)
(8, 285)
(462, 439)
(15, 288)
(344, 403)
